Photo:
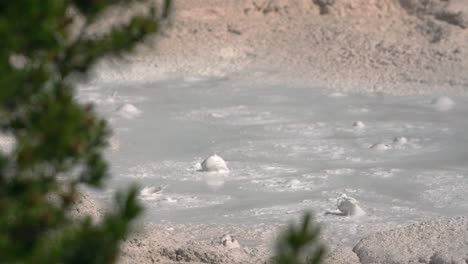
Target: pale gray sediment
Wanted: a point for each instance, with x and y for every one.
(343, 255)
(391, 46)
(160, 245)
(439, 240)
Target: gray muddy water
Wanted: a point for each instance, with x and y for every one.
(288, 148)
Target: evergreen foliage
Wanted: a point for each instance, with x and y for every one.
(298, 241)
(59, 141)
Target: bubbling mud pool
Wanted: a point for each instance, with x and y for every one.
(288, 149)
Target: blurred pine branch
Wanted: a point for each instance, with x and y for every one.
(300, 244)
(56, 135)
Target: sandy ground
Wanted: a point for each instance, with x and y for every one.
(441, 240)
(186, 243)
(397, 47)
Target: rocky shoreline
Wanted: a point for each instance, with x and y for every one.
(439, 240)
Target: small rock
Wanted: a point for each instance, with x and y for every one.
(440, 258)
(233, 30)
(179, 255)
(324, 5)
(456, 18)
(229, 241)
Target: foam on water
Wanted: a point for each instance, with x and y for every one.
(381, 146)
(151, 192)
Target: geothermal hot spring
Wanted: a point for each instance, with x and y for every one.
(289, 148)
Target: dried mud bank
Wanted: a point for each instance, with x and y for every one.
(166, 245)
(392, 46)
(181, 243)
(439, 240)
